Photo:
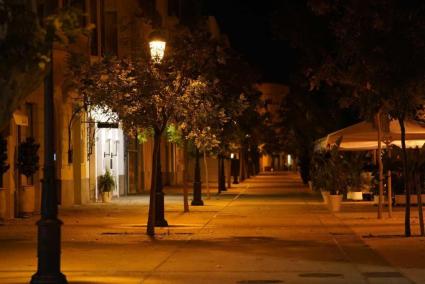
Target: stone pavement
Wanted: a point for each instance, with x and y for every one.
(269, 229)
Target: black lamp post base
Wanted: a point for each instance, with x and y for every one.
(197, 194)
(161, 223)
(57, 278)
(197, 202)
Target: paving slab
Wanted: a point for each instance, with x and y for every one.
(268, 229)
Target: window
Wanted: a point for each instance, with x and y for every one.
(94, 41)
(110, 33)
(104, 38)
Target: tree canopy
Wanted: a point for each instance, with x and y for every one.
(25, 46)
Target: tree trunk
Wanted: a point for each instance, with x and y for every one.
(242, 164)
(381, 169)
(229, 175)
(221, 177)
(150, 230)
(420, 211)
(159, 199)
(247, 164)
(218, 174)
(185, 178)
(222, 174)
(206, 175)
(197, 184)
(407, 230)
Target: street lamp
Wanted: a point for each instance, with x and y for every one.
(49, 226)
(157, 45)
(221, 176)
(234, 168)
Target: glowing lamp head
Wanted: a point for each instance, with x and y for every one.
(232, 156)
(157, 46)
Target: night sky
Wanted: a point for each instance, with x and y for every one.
(247, 24)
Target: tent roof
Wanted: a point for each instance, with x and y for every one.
(364, 136)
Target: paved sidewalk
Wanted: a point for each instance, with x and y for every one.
(269, 229)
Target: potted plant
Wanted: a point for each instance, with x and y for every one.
(27, 165)
(106, 185)
(332, 168)
(318, 174)
(3, 169)
(355, 162)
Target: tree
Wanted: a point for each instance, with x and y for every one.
(371, 48)
(240, 100)
(148, 95)
(306, 116)
(212, 125)
(380, 58)
(309, 111)
(415, 169)
(25, 46)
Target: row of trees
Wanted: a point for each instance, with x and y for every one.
(369, 54)
(198, 87)
(202, 87)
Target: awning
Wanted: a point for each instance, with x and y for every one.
(364, 136)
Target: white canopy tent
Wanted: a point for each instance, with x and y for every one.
(364, 136)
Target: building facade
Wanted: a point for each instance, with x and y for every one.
(84, 147)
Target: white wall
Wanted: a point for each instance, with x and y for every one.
(116, 136)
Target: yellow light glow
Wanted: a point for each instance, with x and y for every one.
(289, 160)
(232, 156)
(157, 48)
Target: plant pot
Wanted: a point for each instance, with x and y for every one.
(325, 196)
(334, 202)
(355, 195)
(3, 192)
(106, 196)
(26, 201)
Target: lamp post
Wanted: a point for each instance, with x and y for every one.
(49, 226)
(221, 176)
(197, 186)
(157, 46)
(234, 168)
